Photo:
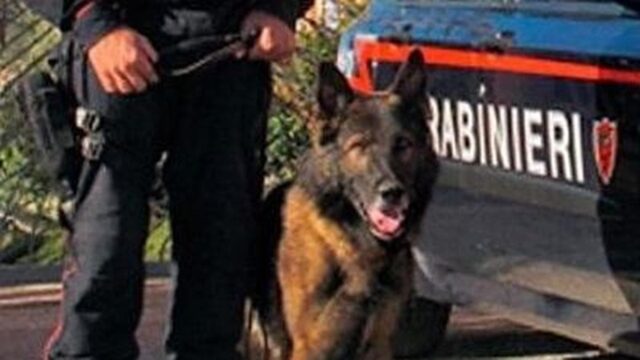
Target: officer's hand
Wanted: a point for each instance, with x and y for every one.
(123, 61)
(276, 41)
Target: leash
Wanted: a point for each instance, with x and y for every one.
(227, 46)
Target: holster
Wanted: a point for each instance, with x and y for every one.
(49, 108)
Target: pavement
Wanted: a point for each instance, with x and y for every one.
(28, 314)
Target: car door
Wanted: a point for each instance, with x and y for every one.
(535, 119)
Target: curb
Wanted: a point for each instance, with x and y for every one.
(45, 294)
(32, 294)
(32, 286)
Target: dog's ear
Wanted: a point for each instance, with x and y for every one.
(411, 81)
(334, 93)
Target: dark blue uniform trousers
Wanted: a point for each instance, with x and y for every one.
(211, 125)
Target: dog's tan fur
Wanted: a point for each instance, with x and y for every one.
(313, 249)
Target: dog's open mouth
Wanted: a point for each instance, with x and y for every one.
(386, 224)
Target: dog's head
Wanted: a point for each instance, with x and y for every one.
(373, 152)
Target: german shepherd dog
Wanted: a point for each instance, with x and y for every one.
(338, 248)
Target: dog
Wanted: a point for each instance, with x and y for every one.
(337, 266)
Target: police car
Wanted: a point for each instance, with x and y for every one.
(535, 115)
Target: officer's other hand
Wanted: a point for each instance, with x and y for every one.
(123, 61)
(276, 42)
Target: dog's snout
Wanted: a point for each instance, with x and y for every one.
(392, 194)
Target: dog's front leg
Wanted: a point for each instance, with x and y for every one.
(337, 330)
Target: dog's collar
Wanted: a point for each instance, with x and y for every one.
(395, 246)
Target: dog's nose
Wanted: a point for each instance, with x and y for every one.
(392, 194)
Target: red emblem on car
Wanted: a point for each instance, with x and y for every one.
(605, 148)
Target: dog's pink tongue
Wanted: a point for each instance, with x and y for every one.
(387, 224)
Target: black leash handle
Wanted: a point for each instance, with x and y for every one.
(227, 46)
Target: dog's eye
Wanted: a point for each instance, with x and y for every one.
(402, 145)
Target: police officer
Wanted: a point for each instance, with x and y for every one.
(211, 124)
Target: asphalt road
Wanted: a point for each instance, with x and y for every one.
(27, 319)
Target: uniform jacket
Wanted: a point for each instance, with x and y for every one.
(105, 15)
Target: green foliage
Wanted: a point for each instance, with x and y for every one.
(287, 140)
(294, 100)
(28, 230)
(159, 242)
(25, 42)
